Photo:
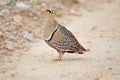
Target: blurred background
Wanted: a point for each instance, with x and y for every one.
(24, 55)
(21, 20)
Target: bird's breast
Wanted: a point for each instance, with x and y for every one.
(58, 36)
(52, 33)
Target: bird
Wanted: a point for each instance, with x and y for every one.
(60, 38)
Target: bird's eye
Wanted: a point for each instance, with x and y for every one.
(48, 11)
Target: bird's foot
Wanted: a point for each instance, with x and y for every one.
(57, 59)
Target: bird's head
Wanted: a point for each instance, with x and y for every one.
(50, 17)
(49, 13)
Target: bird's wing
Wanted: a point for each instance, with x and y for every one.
(70, 39)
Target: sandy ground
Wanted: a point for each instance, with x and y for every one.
(98, 30)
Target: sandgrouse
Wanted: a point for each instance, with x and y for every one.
(60, 38)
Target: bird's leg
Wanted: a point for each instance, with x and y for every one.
(61, 53)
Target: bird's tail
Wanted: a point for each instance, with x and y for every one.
(82, 50)
(86, 50)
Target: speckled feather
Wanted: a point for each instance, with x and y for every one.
(67, 42)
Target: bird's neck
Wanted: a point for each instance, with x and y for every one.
(50, 27)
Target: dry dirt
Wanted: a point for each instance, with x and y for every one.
(97, 30)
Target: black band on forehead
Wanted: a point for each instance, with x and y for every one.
(49, 11)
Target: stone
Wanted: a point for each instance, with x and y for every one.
(27, 35)
(17, 18)
(5, 12)
(22, 5)
(10, 45)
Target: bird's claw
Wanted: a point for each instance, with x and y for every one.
(57, 59)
